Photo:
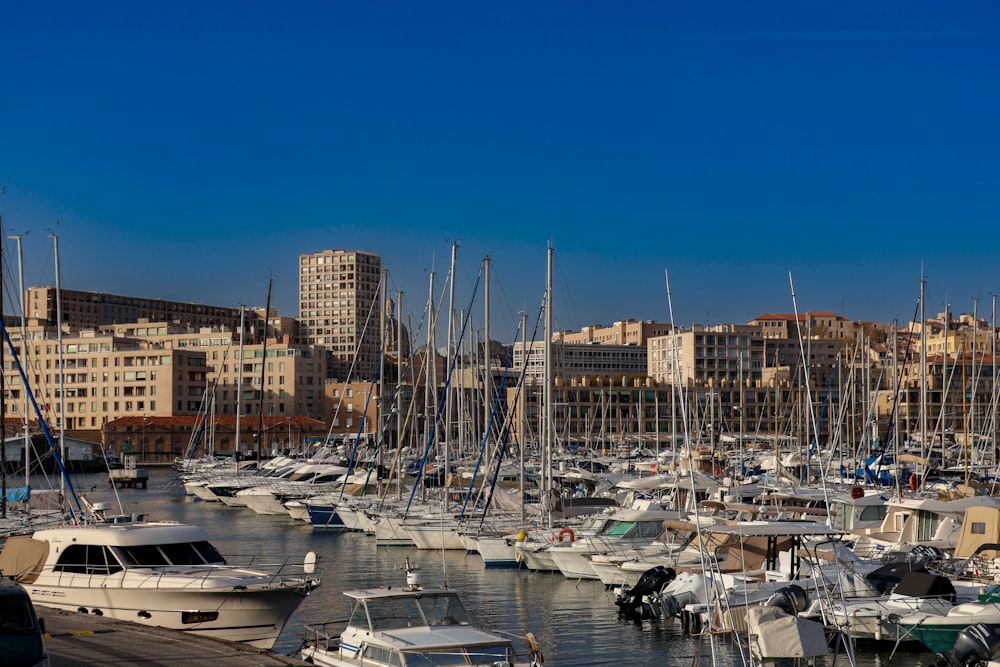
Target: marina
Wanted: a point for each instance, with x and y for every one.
(575, 622)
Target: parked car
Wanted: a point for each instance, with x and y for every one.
(21, 643)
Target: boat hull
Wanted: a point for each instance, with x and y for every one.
(249, 617)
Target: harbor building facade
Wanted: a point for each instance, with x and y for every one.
(89, 310)
(339, 309)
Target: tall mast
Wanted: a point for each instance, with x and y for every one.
(547, 389)
(924, 445)
(239, 391)
(399, 384)
(263, 371)
(59, 342)
(487, 375)
(522, 403)
(24, 361)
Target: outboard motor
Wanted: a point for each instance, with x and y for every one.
(652, 581)
(975, 645)
(790, 599)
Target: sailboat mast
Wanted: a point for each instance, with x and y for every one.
(547, 390)
(924, 446)
(263, 372)
(24, 361)
(487, 375)
(399, 383)
(239, 391)
(59, 342)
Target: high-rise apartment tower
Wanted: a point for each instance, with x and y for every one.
(338, 297)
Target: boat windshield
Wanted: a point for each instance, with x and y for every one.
(158, 555)
(477, 655)
(633, 529)
(415, 611)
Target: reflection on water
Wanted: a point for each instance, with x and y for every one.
(576, 621)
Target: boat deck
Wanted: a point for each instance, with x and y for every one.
(73, 639)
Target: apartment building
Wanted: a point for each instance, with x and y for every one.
(89, 310)
(276, 378)
(339, 309)
(624, 332)
(822, 324)
(575, 360)
(708, 356)
(159, 369)
(103, 377)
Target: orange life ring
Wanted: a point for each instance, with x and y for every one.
(567, 531)
(914, 482)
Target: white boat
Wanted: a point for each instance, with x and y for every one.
(164, 574)
(411, 625)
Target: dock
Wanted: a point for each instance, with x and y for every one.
(129, 478)
(74, 640)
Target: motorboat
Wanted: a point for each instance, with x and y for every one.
(411, 625)
(164, 574)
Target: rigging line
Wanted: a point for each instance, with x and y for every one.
(41, 421)
(364, 412)
(805, 380)
(354, 360)
(485, 441)
(680, 396)
(441, 402)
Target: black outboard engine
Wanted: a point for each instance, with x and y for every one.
(791, 599)
(975, 645)
(652, 581)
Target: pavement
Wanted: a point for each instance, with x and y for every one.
(73, 639)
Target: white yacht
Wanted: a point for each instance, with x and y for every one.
(164, 574)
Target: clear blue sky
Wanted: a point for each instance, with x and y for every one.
(190, 150)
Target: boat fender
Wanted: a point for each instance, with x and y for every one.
(534, 649)
(567, 532)
(522, 536)
(914, 482)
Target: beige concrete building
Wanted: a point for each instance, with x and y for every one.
(820, 324)
(624, 332)
(156, 369)
(338, 296)
(708, 356)
(89, 310)
(575, 360)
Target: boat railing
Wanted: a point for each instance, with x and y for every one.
(290, 573)
(320, 634)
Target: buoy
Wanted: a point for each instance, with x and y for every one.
(567, 531)
(522, 536)
(857, 492)
(914, 482)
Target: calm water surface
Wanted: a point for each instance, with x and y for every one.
(576, 621)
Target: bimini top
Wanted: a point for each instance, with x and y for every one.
(123, 534)
(401, 592)
(762, 528)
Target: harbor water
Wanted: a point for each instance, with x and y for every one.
(576, 621)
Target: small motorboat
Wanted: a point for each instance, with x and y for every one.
(407, 626)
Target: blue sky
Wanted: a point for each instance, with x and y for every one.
(191, 150)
